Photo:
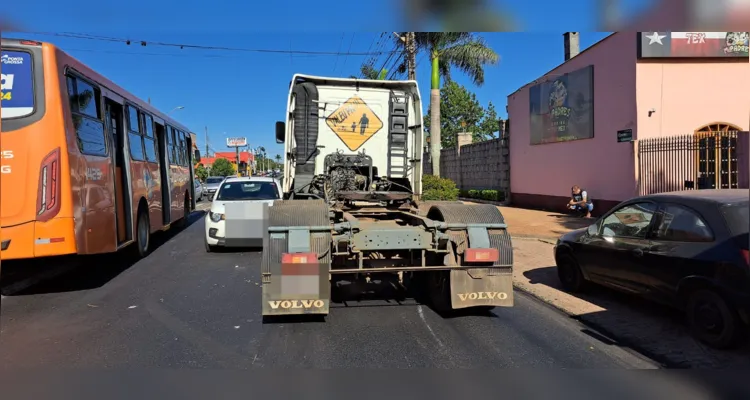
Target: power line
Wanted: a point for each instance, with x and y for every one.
(350, 48)
(182, 46)
(337, 57)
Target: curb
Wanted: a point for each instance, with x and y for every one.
(541, 239)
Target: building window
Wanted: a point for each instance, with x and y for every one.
(716, 163)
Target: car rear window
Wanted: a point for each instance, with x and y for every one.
(248, 190)
(737, 217)
(16, 84)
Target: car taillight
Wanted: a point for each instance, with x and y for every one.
(746, 256)
(48, 194)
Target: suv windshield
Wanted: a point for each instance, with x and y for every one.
(248, 190)
(214, 180)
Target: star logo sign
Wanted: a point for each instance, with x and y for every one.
(655, 38)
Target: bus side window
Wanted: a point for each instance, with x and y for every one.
(149, 144)
(85, 109)
(134, 136)
(173, 148)
(183, 159)
(170, 144)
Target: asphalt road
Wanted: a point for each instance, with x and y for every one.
(184, 308)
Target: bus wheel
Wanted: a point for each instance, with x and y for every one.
(143, 233)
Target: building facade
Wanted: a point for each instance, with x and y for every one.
(637, 112)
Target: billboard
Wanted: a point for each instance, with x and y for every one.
(693, 44)
(236, 142)
(562, 109)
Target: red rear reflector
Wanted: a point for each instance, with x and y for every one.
(746, 256)
(57, 240)
(299, 258)
(481, 255)
(30, 43)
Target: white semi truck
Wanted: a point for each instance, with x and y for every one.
(352, 213)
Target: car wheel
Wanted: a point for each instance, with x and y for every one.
(569, 273)
(712, 320)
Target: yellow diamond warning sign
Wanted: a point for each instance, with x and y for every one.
(354, 122)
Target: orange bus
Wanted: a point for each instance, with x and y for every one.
(87, 168)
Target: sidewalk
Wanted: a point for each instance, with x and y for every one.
(540, 224)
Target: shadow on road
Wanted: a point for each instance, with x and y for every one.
(74, 273)
(658, 331)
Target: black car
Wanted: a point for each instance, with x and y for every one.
(685, 249)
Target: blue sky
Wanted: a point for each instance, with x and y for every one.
(243, 93)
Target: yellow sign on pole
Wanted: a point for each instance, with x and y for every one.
(354, 122)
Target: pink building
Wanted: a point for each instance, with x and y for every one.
(636, 113)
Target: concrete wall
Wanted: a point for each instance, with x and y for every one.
(482, 165)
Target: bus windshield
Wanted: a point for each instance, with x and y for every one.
(16, 84)
(248, 190)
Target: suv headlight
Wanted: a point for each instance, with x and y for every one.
(216, 217)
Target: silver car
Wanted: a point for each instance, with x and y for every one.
(199, 192)
(213, 183)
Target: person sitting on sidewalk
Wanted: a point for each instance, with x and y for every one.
(580, 201)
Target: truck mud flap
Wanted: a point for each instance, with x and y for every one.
(296, 259)
(474, 287)
(486, 285)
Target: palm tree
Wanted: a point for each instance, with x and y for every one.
(463, 50)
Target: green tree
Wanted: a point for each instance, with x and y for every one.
(460, 111)
(201, 172)
(462, 50)
(368, 72)
(222, 167)
(489, 125)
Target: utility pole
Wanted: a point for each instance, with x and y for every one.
(411, 55)
(410, 47)
(206, 141)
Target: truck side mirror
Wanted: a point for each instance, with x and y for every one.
(197, 155)
(280, 132)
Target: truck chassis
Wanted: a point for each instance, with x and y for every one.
(459, 255)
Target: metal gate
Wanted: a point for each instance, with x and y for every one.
(703, 160)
